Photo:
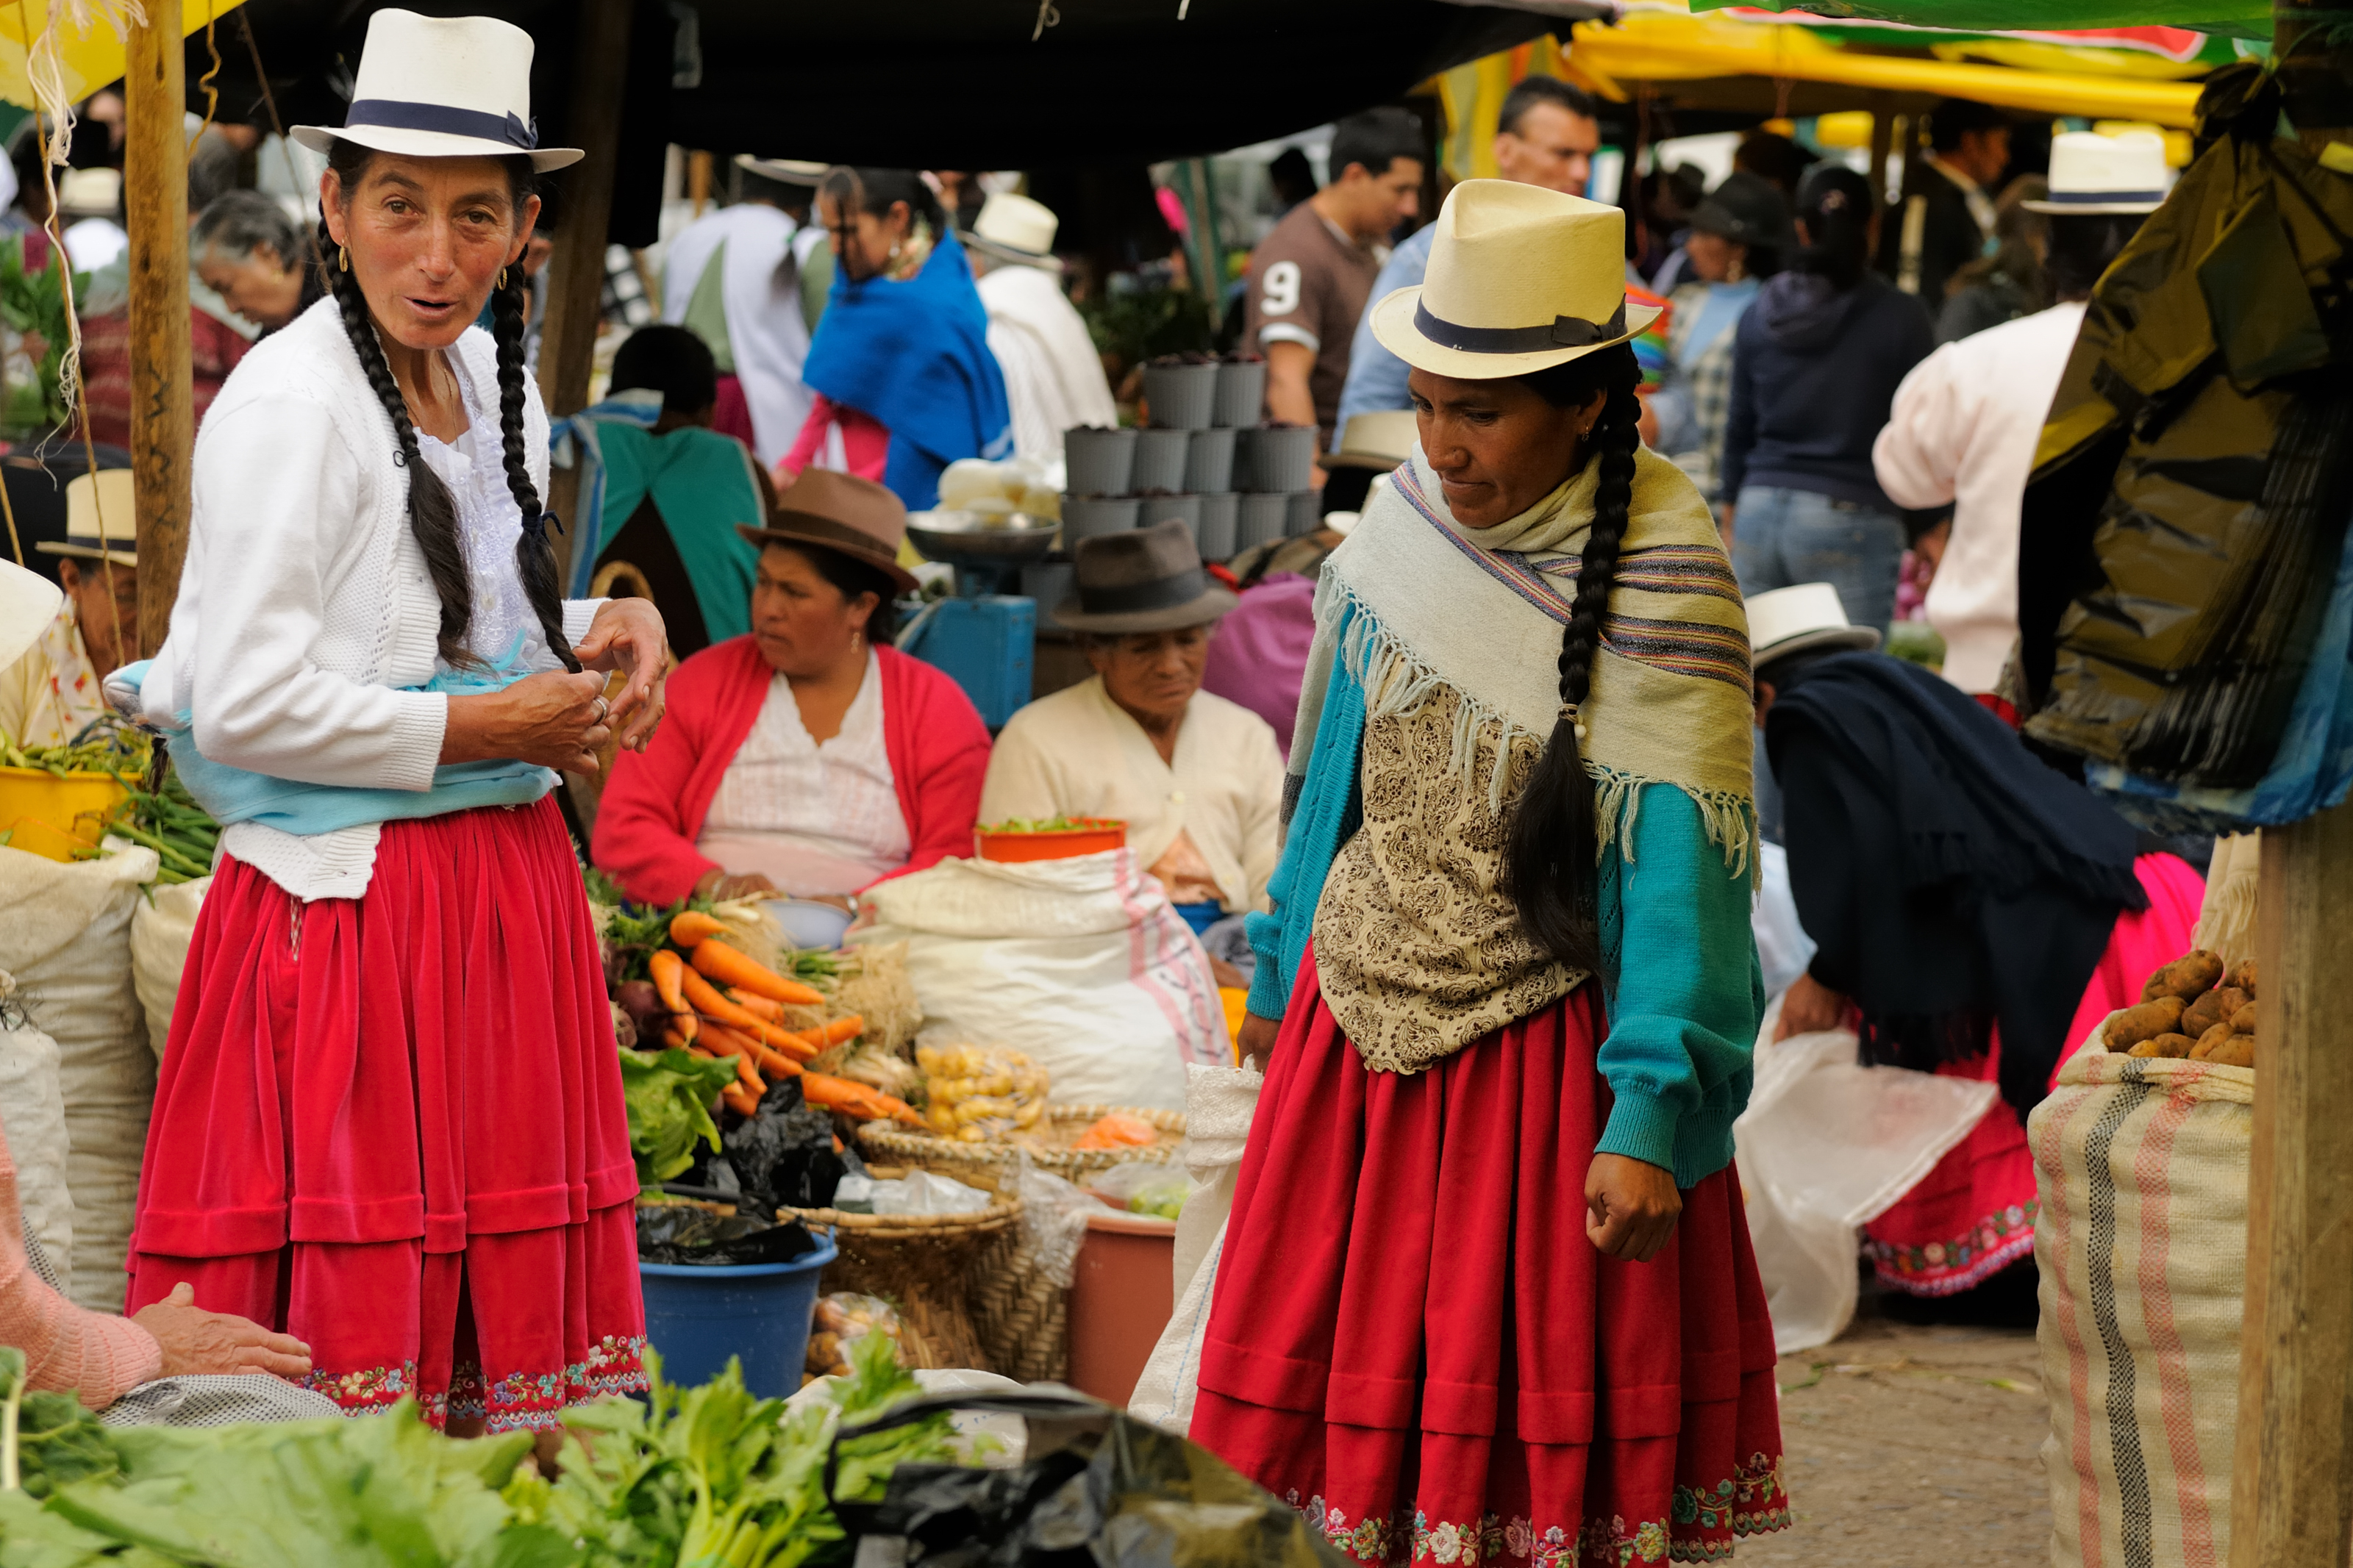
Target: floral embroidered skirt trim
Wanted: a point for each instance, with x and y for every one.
(1414, 1342)
(393, 1127)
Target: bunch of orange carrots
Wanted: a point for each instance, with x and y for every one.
(744, 1020)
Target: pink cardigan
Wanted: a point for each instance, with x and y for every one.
(654, 805)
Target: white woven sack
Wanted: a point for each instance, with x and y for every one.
(33, 1114)
(162, 927)
(65, 934)
(1218, 1112)
(2141, 1167)
(1081, 963)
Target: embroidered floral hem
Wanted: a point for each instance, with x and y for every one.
(1948, 1268)
(520, 1401)
(1704, 1527)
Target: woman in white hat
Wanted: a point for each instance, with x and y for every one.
(389, 1120)
(1486, 1292)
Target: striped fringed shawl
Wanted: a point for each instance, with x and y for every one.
(1671, 695)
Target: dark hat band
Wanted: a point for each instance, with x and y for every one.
(1161, 594)
(400, 114)
(1565, 332)
(2102, 198)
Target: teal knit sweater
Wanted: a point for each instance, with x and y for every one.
(1681, 985)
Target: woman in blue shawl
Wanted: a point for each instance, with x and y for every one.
(901, 363)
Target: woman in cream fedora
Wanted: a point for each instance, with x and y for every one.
(1486, 1292)
(389, 1120)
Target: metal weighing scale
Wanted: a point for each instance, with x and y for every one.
(985, 634)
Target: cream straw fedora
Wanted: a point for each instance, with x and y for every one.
(1521, 279)
(2092, 175)
(442, 87)
(28, 603)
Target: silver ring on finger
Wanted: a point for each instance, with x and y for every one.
(603, 708)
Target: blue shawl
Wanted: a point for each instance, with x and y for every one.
(914, 357)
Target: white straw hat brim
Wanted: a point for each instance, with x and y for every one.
(2091, 209)
(1394, 329)
(1000, 251)
(28, 602)
(409, 143)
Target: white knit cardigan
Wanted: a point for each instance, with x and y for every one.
(305, 607)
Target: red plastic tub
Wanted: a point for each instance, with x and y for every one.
(1122, 1295)
(1097, 834)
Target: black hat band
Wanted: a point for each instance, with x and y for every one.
(1161, 594)
(400, 114)
(1565, 332)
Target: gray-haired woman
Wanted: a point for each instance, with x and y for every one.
(247, 250)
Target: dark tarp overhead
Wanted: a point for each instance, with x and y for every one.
(956, 84)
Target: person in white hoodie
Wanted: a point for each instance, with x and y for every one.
(1053, 376)
(736, 277)
(1964, 426)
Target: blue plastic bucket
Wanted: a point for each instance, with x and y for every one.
(697, 1317)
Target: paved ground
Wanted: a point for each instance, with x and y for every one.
(1913, 1448)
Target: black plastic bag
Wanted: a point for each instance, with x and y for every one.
(783, 1153)
(1098, 1489)
(684, 1233)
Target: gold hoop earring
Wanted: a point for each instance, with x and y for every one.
(502, 276)
(344, 256)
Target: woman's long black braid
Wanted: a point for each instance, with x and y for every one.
(535, 555)
(1549, 860)
(432, 511)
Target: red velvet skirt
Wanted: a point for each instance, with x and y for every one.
(1413, 1342)
(392, 1126)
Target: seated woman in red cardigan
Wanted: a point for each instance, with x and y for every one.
(809, 759)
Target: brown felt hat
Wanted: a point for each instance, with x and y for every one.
(1142, 580)
(826, 511)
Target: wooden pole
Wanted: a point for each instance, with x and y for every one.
(162, 396)
(575, 282)
(2291, 1473)
(1883, 143)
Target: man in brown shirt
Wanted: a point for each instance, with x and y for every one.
(1309, 279)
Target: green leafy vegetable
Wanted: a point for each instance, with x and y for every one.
(47, 1439)
(1048, 825)
(668, 1095)
(33, 304)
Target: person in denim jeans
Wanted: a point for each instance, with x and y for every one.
(1815, 368)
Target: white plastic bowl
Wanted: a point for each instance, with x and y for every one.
(808, 924)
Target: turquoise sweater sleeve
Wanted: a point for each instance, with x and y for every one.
(1687, 995)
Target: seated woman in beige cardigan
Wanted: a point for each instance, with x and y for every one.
(1198, 779)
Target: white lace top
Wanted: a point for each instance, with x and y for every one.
(815, 819)
(490, 520)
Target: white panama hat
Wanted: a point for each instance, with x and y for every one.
(442, 87)
(1792, 620)
(784, 170)
(28, 602)
(1012, 228)
(101, 520)
(2092, 175)
(1381, 439)
(1521, 279)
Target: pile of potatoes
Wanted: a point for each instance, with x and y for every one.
(2183, 1013)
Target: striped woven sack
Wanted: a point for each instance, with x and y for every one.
(2141, 1166)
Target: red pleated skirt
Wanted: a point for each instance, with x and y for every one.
(392, 1126)
(1413, 1342)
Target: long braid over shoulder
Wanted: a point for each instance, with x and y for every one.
(534, 557)
(1550, 854)
(432, 511)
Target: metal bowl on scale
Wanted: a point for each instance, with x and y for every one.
(988, 551)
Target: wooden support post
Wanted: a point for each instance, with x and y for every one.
(1883, 143)
(575, 283)
(2292, 1476)
(163, 395)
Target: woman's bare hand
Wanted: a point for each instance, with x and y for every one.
(1631, 1207)
(195, 1341)
(1255, 1043)
(1808, 1007)
(627, 636)
(554, 720)
(717, 884)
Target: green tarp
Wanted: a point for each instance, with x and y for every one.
(2236, 18)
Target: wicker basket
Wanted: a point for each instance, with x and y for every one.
(947, 1154)
(919, 1262)
(1021, 1315)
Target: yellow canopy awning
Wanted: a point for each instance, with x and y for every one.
(1663, 46)
(87, 59)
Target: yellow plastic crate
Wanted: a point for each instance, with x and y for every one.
(53, 816)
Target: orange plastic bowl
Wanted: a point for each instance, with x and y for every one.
(1096, 834)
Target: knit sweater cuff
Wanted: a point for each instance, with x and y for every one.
(417, 729)
(1641, 1127)
(1268, 992)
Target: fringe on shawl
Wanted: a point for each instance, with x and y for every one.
(1395, 683)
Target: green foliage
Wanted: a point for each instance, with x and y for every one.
(1146, 323)
(668, 1095)
(35, 304)
(711, 1478)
